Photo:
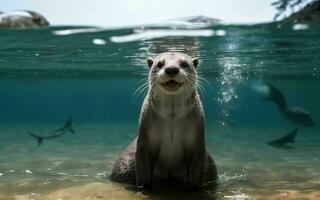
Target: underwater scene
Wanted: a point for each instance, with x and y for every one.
(71, 98)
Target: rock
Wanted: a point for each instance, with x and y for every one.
(199, 20)
(22, 19)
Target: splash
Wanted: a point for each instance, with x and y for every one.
(241, 196)
(77, 31)
(161, 33)
(227, 178)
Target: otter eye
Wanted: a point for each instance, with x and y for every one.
(160, 64)
(184, 64)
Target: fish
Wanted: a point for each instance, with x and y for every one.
(285, 140)
(276, 96)
(68, 127)
(299, 116)
(295, 115)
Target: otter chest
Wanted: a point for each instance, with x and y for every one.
(170, 139)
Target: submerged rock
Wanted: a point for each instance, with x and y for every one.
(22, 19)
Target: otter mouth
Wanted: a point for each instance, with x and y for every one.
(171, 85)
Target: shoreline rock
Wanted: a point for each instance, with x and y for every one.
(22, 19)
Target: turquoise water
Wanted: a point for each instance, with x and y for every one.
(47, 77)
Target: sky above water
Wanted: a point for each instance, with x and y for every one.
(132, 12)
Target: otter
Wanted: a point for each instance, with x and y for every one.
(170, 148)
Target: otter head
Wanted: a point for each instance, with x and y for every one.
(173, 73)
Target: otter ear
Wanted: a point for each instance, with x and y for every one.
(150, 62)
(195, 62)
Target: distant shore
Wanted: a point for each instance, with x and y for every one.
(309, 14)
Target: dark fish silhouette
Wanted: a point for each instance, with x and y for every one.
(298, 116)
(273, 94)
(294, 115)
(283, 141)
(68, 127)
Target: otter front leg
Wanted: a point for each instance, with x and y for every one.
(144, 167)
(196, 169)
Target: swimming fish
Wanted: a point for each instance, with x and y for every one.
(68, 127)
(283, 141)
(275, 95)
(294, 115)
(298, 116)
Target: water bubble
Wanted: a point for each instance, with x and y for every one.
(98, 41)
(162, 33)
(298, 27)
(220, 32)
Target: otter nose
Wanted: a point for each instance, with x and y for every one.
(172, 71)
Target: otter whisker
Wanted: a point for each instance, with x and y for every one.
(140, 90)
(144, 79)
(153, 86)
(205, 81)
(190, 88)
(154, 89)
(193, 79)
(198, 82)
(201, 88)
(191, 85)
